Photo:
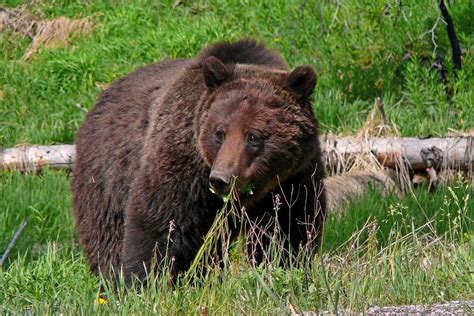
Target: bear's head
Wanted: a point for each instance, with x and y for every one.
(256, 126)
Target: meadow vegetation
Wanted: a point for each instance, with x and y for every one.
(380, 251)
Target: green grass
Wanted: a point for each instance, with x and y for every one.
(382, 251)
(358, 57)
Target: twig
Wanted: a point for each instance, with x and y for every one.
(80, 107)
(13, 242)
(381, 108)
(334, 17)
(453, 39)
(433, 35)
(433, 176)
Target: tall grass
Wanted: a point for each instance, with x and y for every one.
(382, 250)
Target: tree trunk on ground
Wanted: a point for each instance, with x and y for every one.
(417, 154)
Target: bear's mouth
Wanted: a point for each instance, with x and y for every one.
(235, 192)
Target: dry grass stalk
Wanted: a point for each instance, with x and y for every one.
(455, 133)
(44, 33)
(377, 124)
(57, 32)
(18, 20)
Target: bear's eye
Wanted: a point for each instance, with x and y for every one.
(254, 140)
(220, 136)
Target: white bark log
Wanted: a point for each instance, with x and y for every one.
(447, 153)
(443, 153)
(34, 158)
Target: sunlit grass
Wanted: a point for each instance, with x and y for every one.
(358, 56)
(383, 250)
(401, 251)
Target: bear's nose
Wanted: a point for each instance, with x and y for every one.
(220, 182)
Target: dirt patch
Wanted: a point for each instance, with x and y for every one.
(450, 308)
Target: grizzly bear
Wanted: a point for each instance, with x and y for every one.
(164, 144)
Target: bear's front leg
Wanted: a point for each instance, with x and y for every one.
(291, 222)
(140, 248)
(170, 243)
(148, 249)
(301, 215)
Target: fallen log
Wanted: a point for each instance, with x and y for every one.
(34, 158)
(415, 153)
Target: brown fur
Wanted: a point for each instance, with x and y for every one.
(169, 114)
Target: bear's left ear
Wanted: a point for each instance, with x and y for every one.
(215, 72)
(302, 81)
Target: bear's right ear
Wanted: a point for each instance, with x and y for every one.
(215, 72)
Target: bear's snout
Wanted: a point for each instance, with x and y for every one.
(220, 182)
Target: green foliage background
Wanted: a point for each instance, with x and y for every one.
(361, 49)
